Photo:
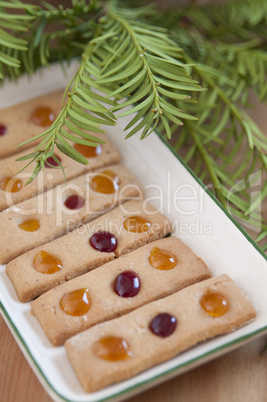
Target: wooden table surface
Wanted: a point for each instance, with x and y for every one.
(240, 376)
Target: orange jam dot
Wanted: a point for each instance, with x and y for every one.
(136, 224)
(11, 184)
(112, 348)
(43, 116)
(76, 303)
(107, 182)
(30, 226)
(88, 151)
(215, 304)
(46, 264)
(161, 259)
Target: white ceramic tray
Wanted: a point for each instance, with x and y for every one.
(197, 218)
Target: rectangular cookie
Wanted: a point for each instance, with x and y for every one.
(145, 349)
(49, 211)
(20, 128)
(78, 256)
(183, 270)
(49, 177)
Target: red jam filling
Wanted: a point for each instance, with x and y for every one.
(3, 129)
(127, 284)
(51, 161)
(74, 201)
(163, 325)
(105, 242)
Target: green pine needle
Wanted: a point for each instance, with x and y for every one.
(227, 47)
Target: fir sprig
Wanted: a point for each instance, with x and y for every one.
(127, 60)
(83, 111)
(230, 60)
(34, 36)
(143, 64)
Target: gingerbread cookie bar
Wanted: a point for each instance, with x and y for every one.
(49, 215)
(13, 190)
(20, 122)
(80, 251)
(149, 273)
(118, 349)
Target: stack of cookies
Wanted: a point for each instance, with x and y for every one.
(107, 279)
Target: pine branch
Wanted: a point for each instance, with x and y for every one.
(127, 61)
(229, 56)
(81, 113)
(144, 63)
(33, 36)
